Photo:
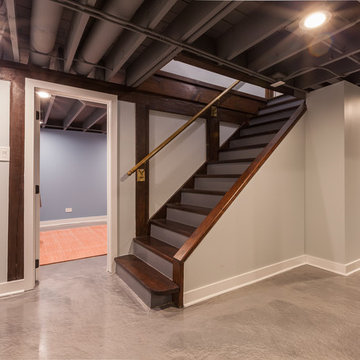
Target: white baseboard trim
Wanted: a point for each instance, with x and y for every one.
(220, 287)
(206, 292)
(70, 223)
(11, 288)
(337, 268)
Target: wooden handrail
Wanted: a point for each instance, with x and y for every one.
(181, 129)
(194, 240)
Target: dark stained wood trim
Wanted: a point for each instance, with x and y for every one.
(211, 66)
(212, 135)
(142, 188)
(190, 245)
(178, 278)
(177, 89)
(269, 94)
(182, 107)
(16, 178)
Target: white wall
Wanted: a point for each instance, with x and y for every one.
(4, 177)
(263, 226)
(325, 174)
(177, 162)
(173, 165)
(126, 128)
(193, 72)
(352, 170)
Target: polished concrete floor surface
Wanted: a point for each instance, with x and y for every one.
(80, 312)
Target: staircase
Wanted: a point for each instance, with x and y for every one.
(149, 270)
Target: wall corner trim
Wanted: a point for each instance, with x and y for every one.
(209, 291)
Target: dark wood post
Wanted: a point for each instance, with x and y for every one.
(142, 175)
(212, 135)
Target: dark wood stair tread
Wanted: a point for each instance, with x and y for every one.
(205, 192)
(293, 107)
(189, 208)
(158, 247)
(150, 278)
(174, 226)
(269, 132)
(284, 118)
(284, 102)
(245, 147)
(231, 161)
(218, 176)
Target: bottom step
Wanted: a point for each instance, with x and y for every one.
(150, 285)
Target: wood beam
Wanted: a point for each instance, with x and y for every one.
(95, 116)
(74, 111)
(212, 135)
(10, 8)
(171, 87)
(149, 16)
(142, 187)
(16, 177)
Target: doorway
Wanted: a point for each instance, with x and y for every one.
(72, 179)
(106, 104)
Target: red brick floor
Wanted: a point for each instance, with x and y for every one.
(71, 244)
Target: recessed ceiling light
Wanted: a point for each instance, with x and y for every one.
(44, 94)
(315, 19)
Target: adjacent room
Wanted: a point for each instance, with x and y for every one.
(73, 174)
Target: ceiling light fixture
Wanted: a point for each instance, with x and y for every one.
(277, 84)
(44, 94)
(315, 19)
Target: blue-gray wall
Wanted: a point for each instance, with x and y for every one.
(72, 174)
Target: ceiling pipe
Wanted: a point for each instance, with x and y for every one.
(45, 21)
(103, 34)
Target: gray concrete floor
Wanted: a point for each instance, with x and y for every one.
(80, 312)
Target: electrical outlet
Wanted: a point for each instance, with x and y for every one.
(68, 210)
(4, 153)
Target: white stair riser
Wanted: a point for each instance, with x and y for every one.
(157, 262)
(185, 217)
(216, 184)
(231, 168)
(167, 236)
(239, 154)
(261, 128)
(255, 140)
(203, 200)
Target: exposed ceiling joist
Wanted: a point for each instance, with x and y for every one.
(96, 116)
(48, 110)
(310, 80)
(74, 112)
(252, 30)
(290, 46)
(149, 15)
(194, 21)
(251, 75)
(77, 29)
(10, 8)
